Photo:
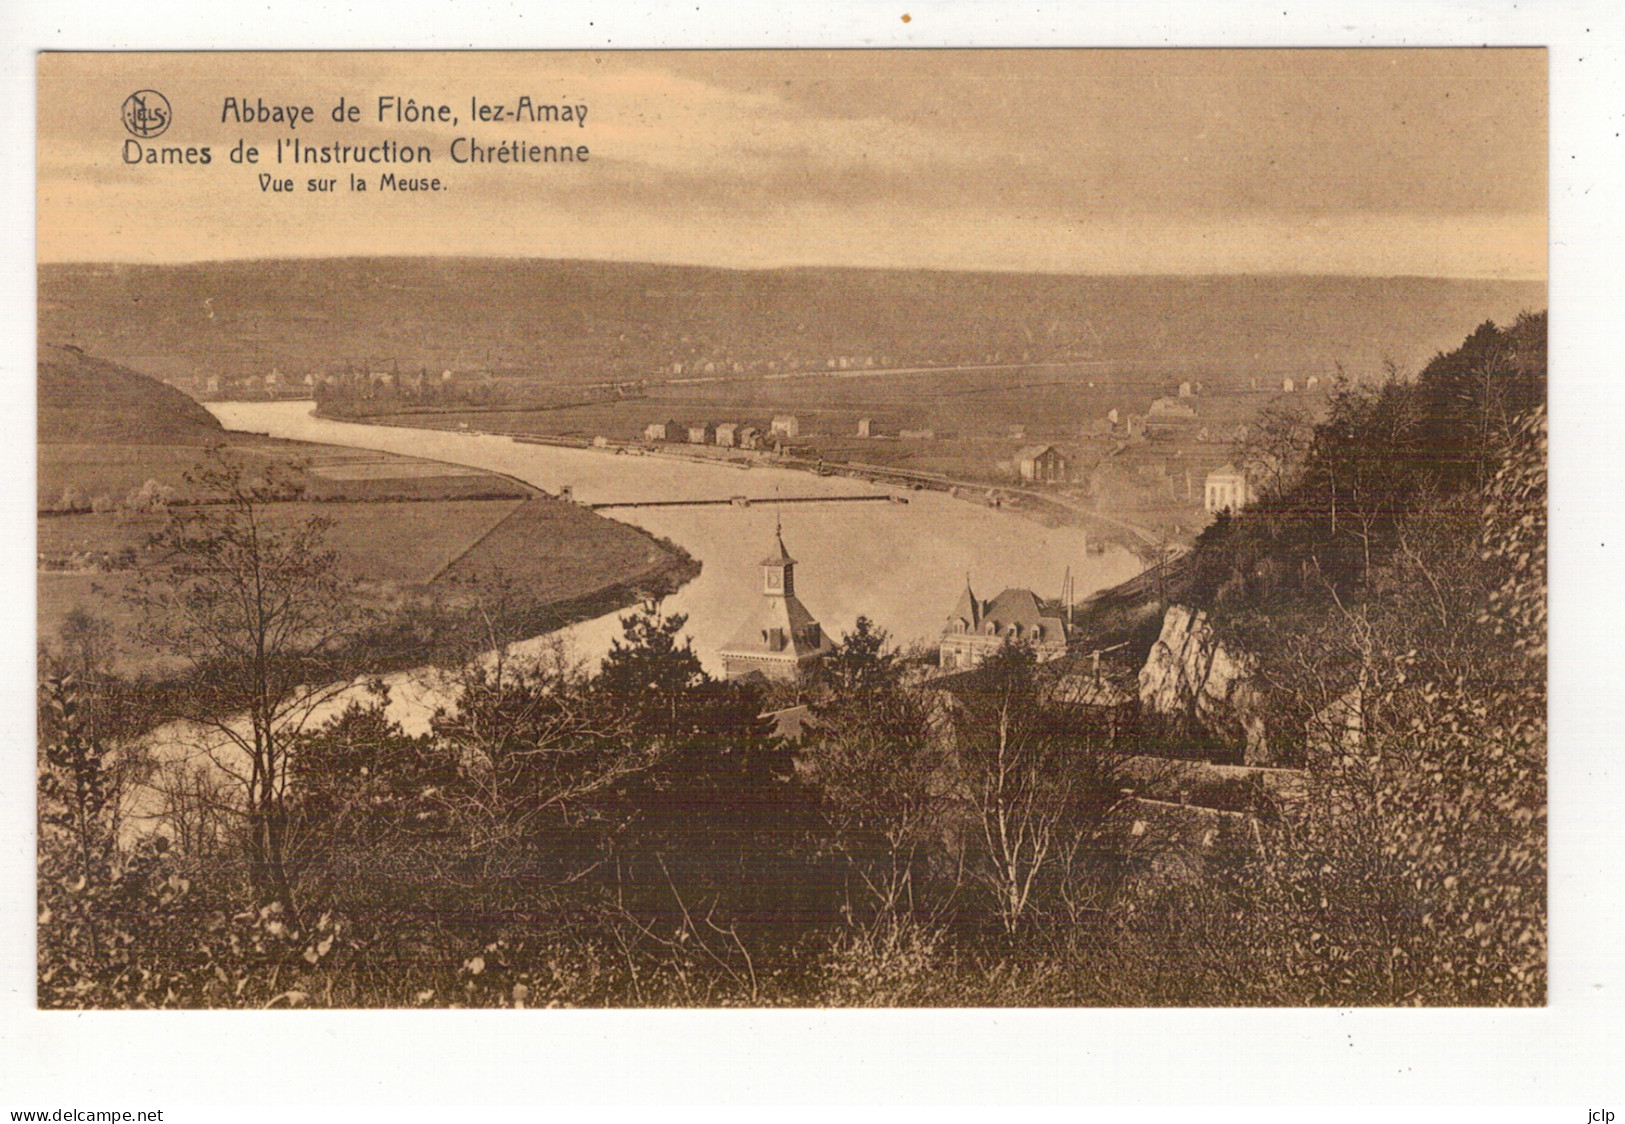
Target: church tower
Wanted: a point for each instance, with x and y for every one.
(781, 637)
(779, 569)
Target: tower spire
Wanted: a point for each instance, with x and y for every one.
(778, 569)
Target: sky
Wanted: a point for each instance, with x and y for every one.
(1374, 162)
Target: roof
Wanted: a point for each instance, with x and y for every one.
(781, 557)
(1010, 608)
(792, 722)
(1013, 606)
(1033, 452)
(781, 611)
(1227, 469)
(787, 614)
(968, 609)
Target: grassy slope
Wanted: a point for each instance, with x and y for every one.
(88, 401)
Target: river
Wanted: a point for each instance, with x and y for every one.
(901, 565)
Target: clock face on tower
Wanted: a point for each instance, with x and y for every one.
(775, 579)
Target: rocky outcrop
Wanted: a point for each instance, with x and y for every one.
(1191, 675)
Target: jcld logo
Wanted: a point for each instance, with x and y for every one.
(146, 113)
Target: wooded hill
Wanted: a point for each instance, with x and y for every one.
(580, 321)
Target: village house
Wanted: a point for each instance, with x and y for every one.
(863, 428)
(780, 639)
(727, 434)
(976, 629)
(1171, 409)
(664, 430)
(1041, 464)
(1227, 489)
(702, 433)
(749, 437)
(786, 425)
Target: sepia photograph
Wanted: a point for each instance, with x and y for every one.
(1041, 528)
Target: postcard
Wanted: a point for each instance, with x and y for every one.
(1051, 537)
(792, 528)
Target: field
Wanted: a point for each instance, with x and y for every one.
(987, 362)
(1014, 406)
(75, 476)
(115, 448)
(556, 551)
(528, 558)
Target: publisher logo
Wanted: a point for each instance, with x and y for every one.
(146, 114)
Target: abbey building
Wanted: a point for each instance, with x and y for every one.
(780, 638)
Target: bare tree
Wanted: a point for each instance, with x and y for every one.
(251, 604)
(1034, 774)
(1277, 442)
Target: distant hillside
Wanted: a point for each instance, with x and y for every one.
(572, 321)
(89, 401)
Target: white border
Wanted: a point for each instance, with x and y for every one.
(1551, 1057)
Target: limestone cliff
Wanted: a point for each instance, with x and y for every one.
(1191, 674)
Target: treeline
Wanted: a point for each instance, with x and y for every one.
(1340, 499)
(362, 394)
(595, 321)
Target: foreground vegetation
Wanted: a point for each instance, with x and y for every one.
(638, 834)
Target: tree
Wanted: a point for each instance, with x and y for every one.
(879, 768)
(360, 778)
(709, 829)
(76, 788)
(1277, 442)
(1037, 773)
(251, 603)
(649, 675)
(543, 755)
(1475, 394)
